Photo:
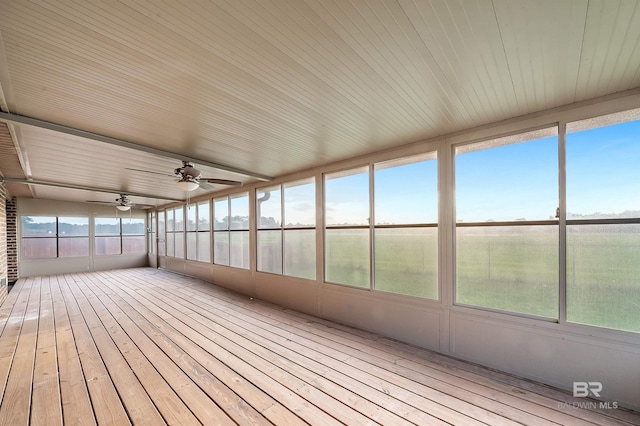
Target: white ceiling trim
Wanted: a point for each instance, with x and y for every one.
(84, 188)
(59, 128)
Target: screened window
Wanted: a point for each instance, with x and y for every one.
(299, 235)
(151, 219)
(347, 244)
(199, 232)
(269, 208)
(133, 237)
(192, 221)
(175, 232)
(231, 231)
(39, 237)
(406, 226)
(73, 236)
(169, 233)
(178, 232)
(107, 236)
(50, 237)
(603, 221)
(286, 229)
(221, 231)
(115, 235)
(507, 234)
(162, 234)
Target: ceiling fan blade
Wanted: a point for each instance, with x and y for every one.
(205, 185)
(149, 171)
(111, 203)
(221, 181)
(142, 206)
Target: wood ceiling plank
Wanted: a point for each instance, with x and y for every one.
(142, 74)
(541, 44)
(611, 49)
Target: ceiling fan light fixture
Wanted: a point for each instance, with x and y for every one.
(123, 208)
(188, 185)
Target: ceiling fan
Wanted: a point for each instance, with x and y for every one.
(123, 203)
(189, 178)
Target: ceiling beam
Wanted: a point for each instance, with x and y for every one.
(8, 117)
(83, 188)
(6, 94)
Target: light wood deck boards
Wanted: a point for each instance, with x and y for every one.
(144, 346)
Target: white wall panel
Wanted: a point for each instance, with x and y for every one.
(102, 263)
(557, 358)
(410, 322)
(39, 267)
(199, 270)
(239, 280)
(299, 294)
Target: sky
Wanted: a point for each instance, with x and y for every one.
(521, 180)
(510, 182)
(505, 183)
(413, 188)
(347, 199)
(299, 204)
(406, 194)
(603, 169)
(52, 219)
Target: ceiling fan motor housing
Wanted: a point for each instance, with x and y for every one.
(123, 200)
(188, 171)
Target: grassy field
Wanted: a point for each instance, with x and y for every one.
(512, 269)
(506, 268)
(603, 276)
(299, 252)
(516, 269)
(406, 260)
(347, 257)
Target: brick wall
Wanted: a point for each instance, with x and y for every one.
(12, 240)
(3, 244)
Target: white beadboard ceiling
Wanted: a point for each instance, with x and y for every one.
(279, 86)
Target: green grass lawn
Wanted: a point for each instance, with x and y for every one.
(603, 276)
(507, 268)
(516, 269)
(406, 261)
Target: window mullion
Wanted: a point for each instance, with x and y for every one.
(229, 212)
(57, 237)
(562, 219)
(195, 234)
(372, 249)
(282, 219)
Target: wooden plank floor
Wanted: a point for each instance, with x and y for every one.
(144, 346)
